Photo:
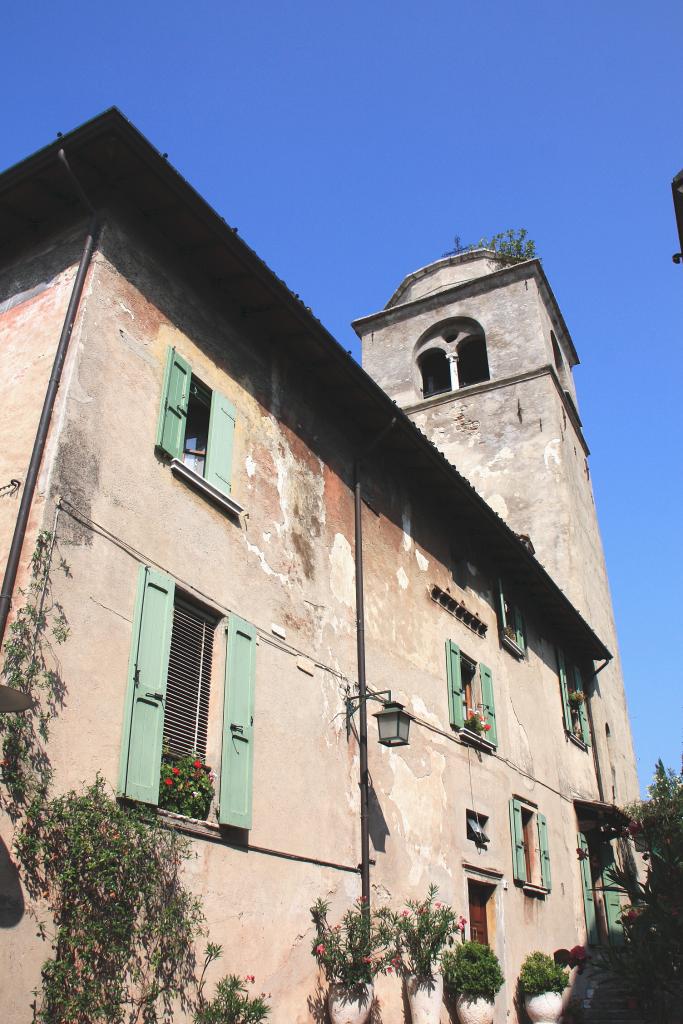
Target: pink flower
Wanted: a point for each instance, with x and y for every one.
(438, 906)
(320, 949)
(406, 913)
(367, 959)
(390, 970)
(396, 960)
(250, 978)
(462, 921)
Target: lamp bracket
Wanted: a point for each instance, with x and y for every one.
(354, 702)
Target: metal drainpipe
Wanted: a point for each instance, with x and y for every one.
(364, 778)
(48, 405)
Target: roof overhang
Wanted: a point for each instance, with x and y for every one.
(677, 192)
(117, 165)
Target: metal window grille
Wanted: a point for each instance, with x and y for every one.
(189, 681)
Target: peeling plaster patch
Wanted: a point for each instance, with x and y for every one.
(402, 578)
(342, 571)
(420, 709)
(552, 452)
(250, 466)
(499, 505)
(407, 539)
(267, 536)
(421, 804)
(421, 560)
(494, 465)
(125, 309)
(268, 570)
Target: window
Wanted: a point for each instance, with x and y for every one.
(196, 426)
(459, 571)
(530, 854)
(470, 695)
(473, 364)
(511, 621)
(476, 829)
(574, 697)
(436, 373)
(167, 700)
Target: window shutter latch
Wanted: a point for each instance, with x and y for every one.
(156, 696)
(236, 728)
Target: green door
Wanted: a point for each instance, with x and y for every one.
(588, 894)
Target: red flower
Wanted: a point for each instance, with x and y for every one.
(250, 978)
(390, 970)
(396, 960)
(320, 949)
(197, 764)
(176, 771)
(367, 959)
(168, 782)
(487, 728)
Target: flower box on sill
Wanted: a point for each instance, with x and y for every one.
(474, 740)
(512, 646)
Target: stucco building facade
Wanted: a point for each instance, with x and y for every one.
(198, 479)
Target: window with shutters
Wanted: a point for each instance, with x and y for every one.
(166, 712)
(574, 697)
(530, 852)
(511, 622)
(196, 429)
(188, 685)
(471, 704)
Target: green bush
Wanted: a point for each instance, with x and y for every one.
(472, 970)
(540, 974)
(232, 1004)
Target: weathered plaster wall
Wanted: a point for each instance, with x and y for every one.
(290, 562)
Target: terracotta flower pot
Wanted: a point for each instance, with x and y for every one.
(474, 1011)
(544, 1009)
(350, 1005)
(425, 996)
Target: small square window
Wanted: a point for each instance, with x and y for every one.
(476, 829)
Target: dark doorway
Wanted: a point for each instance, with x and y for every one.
(479, 896)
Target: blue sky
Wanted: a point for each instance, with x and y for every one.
(351, 143)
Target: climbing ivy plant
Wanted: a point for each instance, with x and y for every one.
(514, 246)
(30, 665)
(124, 923)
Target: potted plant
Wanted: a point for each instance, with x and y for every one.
(542, 982)
(350, 955)
(186, 786)
(472, 973)
(576, 698)
(421, 933)
(476, 724)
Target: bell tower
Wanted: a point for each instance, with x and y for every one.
(476, 351)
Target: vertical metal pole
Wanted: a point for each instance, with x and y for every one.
(364, 781)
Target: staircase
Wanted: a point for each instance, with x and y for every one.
(605, 1002)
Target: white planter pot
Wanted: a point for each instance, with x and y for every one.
(425, 996)
(544, 1009)
(350, 1005)
(474, 1011)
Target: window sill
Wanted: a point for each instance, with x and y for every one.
(512, 646)
(472, 740)
(179, 468)
(576, 741)
(537, 891)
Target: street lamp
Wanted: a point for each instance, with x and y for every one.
(393, 722)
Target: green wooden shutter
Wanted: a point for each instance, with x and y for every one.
(517, 836)
(611, 896)
(218, 469)
(488, 702)
(501, 606)
(174, 399)
(238, 725)
(148, 667)
(545, 852)
(562, 671)
(588, 895)
(455, 690)
(519, 629)
(583, 710)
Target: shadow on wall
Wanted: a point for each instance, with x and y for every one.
(11, 893)
(377, 823)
